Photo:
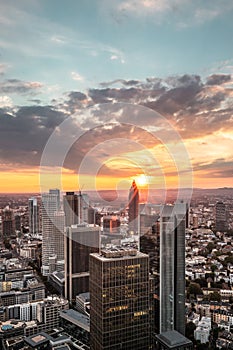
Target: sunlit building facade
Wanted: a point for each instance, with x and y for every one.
(133, 207)
(119, 292)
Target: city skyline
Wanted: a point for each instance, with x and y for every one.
(171, 57)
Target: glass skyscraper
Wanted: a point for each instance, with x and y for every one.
(119, 291)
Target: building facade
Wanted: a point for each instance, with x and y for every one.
(172, 268)
(53, 222)
(33, 213)
(220, 217)
(119, 294)
(80, 241)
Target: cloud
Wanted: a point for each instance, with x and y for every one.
(11, 86)
(218, 79)
(23, 134)
(131, 82)
(6, 102)
(219, 168)
(58, 39)
(183, 13)
(3, 68)
(117, 58)
(77, 76)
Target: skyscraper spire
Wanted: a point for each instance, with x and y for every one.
(133, 207)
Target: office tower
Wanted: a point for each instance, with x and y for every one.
(56, 192)
(150, 244)
(172, 268)
(18, 222)
(133, 207)
(8, 223)
(220, 217)
(119, 295)
(79, 242)
(33, 213)
(70, 203)
(76, 208)
(52, 230)
(111, 224)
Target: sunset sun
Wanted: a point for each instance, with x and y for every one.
(141, 180)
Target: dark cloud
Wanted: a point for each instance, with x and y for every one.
(36, 100)
(23, 135)
(10, 86)
(219, 168)
(77, 96)
(124, 82)
(218, 79)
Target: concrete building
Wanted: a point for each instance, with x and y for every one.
(202, 332)
(53, 222)
(33, 214)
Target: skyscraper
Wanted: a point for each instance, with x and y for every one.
(79, 242)
(119, 292)
(76, 208)
(133, 207)
(70, 203)
(8, 223)
(172, 268)
(52, 230)
(220, 217)
(33, 213)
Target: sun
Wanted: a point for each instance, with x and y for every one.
(141, 180)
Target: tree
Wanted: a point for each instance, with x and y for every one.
(201, 281)
(194, 288)
(213, 268)
(189, 330)
(215, 296)
(228, 259)
(210, 246)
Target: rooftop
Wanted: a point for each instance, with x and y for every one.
(173, 339)
(76, 318)
(116, 253)
(37, 339)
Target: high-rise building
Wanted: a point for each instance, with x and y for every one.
(220, 217)
(111, 224)
(76, 208)
(133, 207)
(80, 241)
(33, 213)
(172, 268)
(119, 295)
(52, 231)
(8, 223)
(70, 203)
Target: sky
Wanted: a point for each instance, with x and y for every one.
(95, 93)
